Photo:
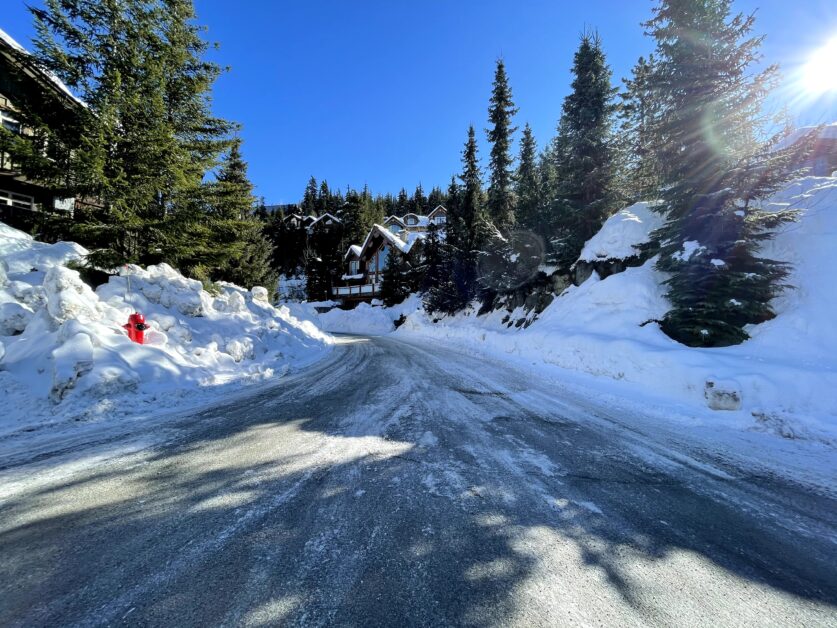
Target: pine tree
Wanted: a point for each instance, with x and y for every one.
(464, 235)
(435, 198)
(419, 203)
(233, 192)
(310, 198)
(470, 206)
(402, 204)
(500, 205)
(254, 265)
(145, 139)
(395, 286)
(432, 263)
(527, 183)
(585, 154)
(352, 215)
(324, 199)
(713, 168)
(638, 112)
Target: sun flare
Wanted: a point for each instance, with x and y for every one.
(819, 75)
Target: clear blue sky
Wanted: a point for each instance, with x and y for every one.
(382, 91)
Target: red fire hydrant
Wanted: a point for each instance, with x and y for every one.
(136, 327)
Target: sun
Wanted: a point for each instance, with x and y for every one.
(819, 74)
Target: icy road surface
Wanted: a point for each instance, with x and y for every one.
(399, 484)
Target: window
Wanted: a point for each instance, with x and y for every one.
(411, 221)
(10, 124)
(354, 267)
(382, 258)
(439, 220)
(18, 201)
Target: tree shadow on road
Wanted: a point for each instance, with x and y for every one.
(269, 514)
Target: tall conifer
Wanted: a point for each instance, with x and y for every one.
(500, 204)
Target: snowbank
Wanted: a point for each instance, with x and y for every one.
(64, 354)
(782, 380)
(365, 318)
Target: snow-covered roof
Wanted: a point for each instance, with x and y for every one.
(438, 208)
(421, 221)
(354, 249)
(14, 45)
(324, 216)
(404, 244)
(621, 233)
(390, 219)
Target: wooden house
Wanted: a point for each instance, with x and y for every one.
(364, 272)
(21, 78)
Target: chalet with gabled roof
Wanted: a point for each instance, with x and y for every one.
(325, 221)
(399, 235)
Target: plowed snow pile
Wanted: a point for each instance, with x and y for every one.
(64, 354)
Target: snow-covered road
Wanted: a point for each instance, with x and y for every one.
(401, 484)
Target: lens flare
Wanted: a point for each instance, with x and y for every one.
(819, 75)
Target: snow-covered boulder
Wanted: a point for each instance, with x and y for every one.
(614, 247)
(722, 394)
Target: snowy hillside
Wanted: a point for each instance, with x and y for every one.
(64, 354)
(782, 380)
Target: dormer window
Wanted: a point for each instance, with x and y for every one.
(354, 267)
(439, 220)
(411, 221)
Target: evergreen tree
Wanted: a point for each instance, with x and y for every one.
(245, 254)
(254, 265)
(527, 183)
(584, 153)
(324, 199)
(470, 205)
(402, 204)
(354, 225)
(464, 235)
(233, 192)
(435, 198)
(500, 205)
(419, 201)
(713, 168)
(395, 286)
(432, 263)
(638, 112)
(310, 198)
(146, 137)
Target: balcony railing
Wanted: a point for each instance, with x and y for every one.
(365, 290)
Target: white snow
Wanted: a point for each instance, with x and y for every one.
(621, 233)
(365, 318)
(403, 244)
(786, 373)
(64, 354)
